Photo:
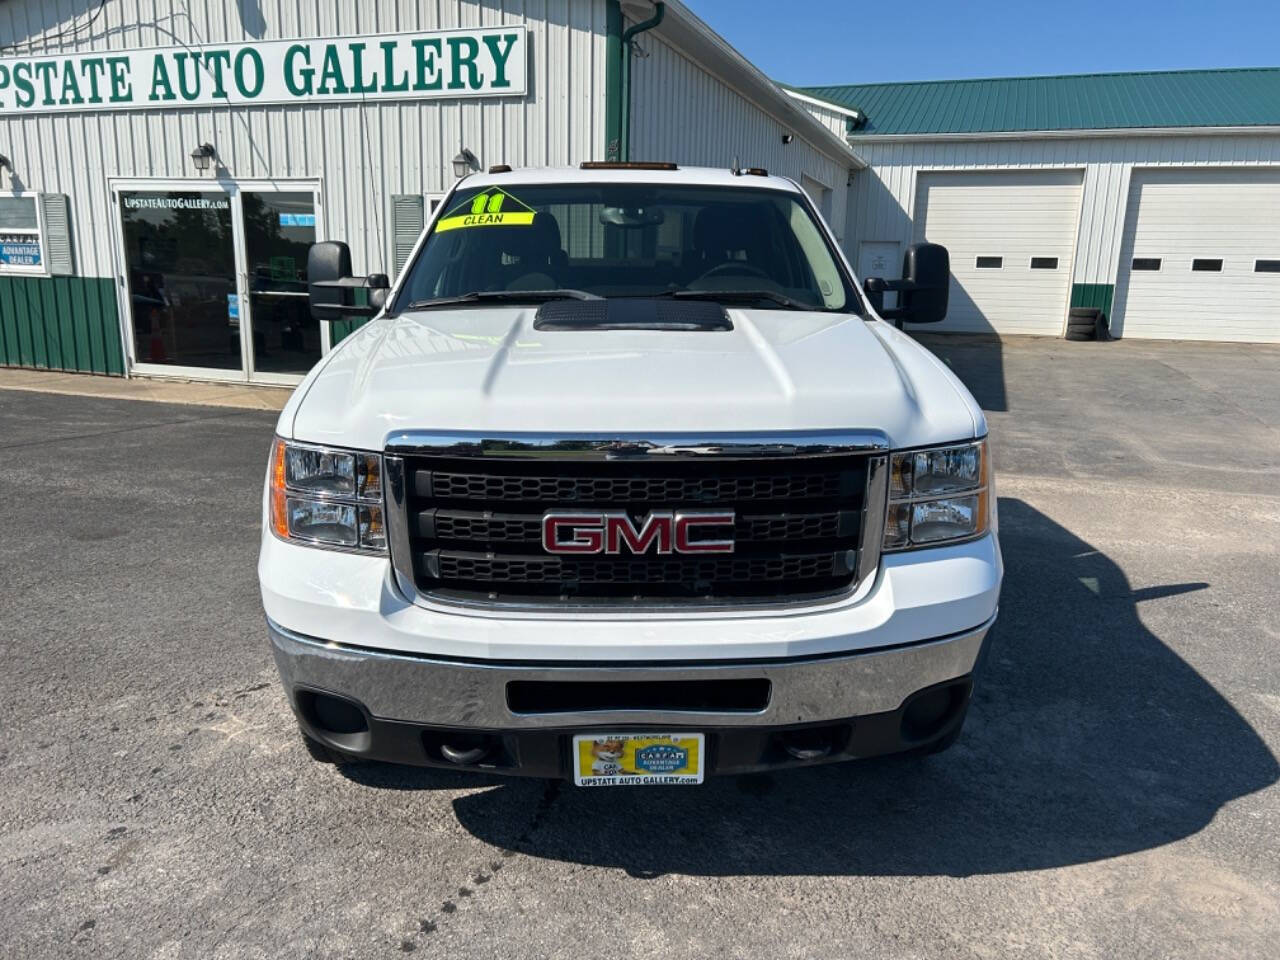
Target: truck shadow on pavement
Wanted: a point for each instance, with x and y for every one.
(1088, 738)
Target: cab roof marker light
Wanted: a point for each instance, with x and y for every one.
(625, 165)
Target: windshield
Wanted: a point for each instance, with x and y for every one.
(628, 240)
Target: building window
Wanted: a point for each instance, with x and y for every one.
(990, 263)
(21, 250)
(1266, 266)
(1044, 263)
(1146, 263)
(1203, 265)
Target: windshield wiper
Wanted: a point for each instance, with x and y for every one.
(741, 296)
(503, 296)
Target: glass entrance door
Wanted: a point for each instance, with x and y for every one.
(216, 280)
(180, 271)
(279, 229)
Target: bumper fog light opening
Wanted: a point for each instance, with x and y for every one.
(335, 721)
(931, 712)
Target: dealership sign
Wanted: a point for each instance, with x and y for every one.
(20, 250)
(485, 62)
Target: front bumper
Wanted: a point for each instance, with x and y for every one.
(423, 709)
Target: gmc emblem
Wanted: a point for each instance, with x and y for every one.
(582, 532)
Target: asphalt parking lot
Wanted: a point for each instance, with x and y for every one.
(1114, 793)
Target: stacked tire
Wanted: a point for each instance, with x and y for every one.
(1085, 323)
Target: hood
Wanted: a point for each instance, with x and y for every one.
(487, 369)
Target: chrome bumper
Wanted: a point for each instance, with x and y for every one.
(471, 695)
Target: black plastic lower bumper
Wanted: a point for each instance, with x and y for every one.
(926, 718)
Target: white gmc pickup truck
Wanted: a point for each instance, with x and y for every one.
(628, 481)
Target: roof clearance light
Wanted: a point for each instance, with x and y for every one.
(612, 165)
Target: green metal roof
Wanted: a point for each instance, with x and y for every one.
(1098, 101)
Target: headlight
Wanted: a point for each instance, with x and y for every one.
(327, 497)
(938, 495)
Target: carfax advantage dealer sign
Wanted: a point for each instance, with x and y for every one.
(490, 61)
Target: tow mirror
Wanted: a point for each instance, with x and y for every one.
(926, 273)
(332, 290)
(924, 288)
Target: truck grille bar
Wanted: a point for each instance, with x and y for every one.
(465, 516)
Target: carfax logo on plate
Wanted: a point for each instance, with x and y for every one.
(661, 758)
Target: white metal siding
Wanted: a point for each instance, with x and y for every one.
(832, 119)
(881, 198)
(363, 154)
(1177, 216)
(684, 114)
(1009, 217)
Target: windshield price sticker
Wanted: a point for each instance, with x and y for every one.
(491, 209)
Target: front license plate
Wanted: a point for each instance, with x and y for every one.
(637, 759)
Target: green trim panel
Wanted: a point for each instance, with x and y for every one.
(1093, 295)
(60, 323)
(341, 329)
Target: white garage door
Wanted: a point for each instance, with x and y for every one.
(1200, 256)
(1011, 236)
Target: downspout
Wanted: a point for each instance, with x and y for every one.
(613, 82)
(628, 51)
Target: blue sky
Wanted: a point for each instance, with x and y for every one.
(811, 42)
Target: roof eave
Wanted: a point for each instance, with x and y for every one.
(820, 102)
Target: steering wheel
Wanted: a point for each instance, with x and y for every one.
(734, 268)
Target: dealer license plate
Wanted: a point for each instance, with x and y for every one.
(637, 759)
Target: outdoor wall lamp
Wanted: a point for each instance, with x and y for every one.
(5, 164)
(202, 156)
(463, 163)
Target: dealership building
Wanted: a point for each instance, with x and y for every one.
(164, 167)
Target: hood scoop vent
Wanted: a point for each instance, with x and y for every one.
(627, 313)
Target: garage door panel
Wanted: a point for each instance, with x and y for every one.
(1180, 215)
(1014, 215)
